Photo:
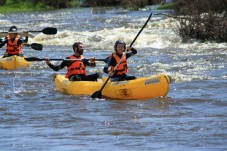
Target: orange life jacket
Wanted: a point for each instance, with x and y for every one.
(12, 48)
(123, 66)
(77, 67)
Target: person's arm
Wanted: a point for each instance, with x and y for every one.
(3, 41)
(23, 39)
(111, 62)
(57, 67)
(132, 52)
(106, 68)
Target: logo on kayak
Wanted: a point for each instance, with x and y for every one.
(65, 82)
(120, 82)
(152, 81)
(124, 92)
(9, 59)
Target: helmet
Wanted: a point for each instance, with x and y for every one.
(119, 42)
(13, 29)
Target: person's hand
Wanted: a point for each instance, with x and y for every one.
(2, 34)
(129, 48)
(47, 61)
(92, 60)
(105, 69)
(25, 33)
(111, 73)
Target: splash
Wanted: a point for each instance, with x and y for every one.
(159, 34)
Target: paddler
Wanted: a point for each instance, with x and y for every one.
(76, 68)
(120, 73)
(14, 42)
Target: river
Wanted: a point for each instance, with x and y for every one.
(34, 116)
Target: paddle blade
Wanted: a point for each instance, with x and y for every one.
(36, 46)
(49, 31)
(97, 94)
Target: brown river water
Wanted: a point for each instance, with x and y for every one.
(193, 116)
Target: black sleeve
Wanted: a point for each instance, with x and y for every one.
(60, 66)
(105, 70)
(26, 39)
(133, 52)
(3, 41)
(110, 62)
(22, 40)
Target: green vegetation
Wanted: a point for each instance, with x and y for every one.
(131, 4)
(23, 6)
(204, 20)
(166, 6)
(11, 6)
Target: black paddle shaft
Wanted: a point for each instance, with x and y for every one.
(98, 94)
(140, 30)
(57, 59)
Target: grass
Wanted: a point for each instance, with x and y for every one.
(166, 6)
(10, 7)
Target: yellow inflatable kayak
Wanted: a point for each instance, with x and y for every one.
(13, 62)
(139, 89)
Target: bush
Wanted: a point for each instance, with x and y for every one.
(59, 3)
(123, 3)
(205, 20)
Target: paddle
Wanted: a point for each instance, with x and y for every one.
(47, 31)
(43, 59)
(35, 46)
(98, 94)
